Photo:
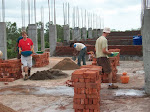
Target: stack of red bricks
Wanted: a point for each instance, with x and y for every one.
(94, 62)
(10, 70)
(113, 62)
(41, 60)
(87, 85)
(118, 56)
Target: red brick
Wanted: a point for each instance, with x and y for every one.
(96, 110)
(86, 101)
(79, 85)
(81, 80)
(87, 80)
(91, 110)
(90, 74)
(94, 91)
(79, 96)
(82, 90)
(87, 91)
(92, 85)
(95, 101)
(78, 106)
(96, 107)
(76, 90)
(86, 110)
(90, 101)
(92, 96)
(82, 101)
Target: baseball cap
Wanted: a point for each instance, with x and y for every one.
(106, 30)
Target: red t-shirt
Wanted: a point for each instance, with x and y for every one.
(25, 45)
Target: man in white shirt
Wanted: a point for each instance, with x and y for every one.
(82, 52)
(102, 53)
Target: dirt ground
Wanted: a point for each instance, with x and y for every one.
(54, 96)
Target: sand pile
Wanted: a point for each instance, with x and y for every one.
(48, 74)
(66, 64)
(4, 108)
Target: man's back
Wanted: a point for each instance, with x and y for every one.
(101, 43)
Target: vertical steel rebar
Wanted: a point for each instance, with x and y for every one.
(49, 11)
(78, 18)
(68, 13)
(88, 19)
(85, 20)
(3, 10)
(35, 11)
(54, 13)
(24, 14)
(64, 13)
(52, 17)
(0, 14)
(22, 11)
(29, 11)
(82, 16)
(100, 21)
(73, 18)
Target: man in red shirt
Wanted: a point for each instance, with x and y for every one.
(26, 50)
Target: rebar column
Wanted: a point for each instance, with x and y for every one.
(90, 33)
(94, 33)
(52, 38)
(84, 33)
(3, 40)
(76, 34)
(42, 38)
(146, 49)
(66, 33)
(99, 32)
(32, 33)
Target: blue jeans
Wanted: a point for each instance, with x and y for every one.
(82, 56)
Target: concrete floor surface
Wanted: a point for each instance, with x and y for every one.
(54, 96)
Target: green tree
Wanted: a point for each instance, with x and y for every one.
(12, 35)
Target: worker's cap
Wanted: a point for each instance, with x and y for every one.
(106, 30)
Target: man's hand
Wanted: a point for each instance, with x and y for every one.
(32, 50)
(75, 52)
(20, 51)
(111, 54)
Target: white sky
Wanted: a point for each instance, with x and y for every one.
(116, 14)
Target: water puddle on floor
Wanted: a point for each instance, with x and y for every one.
(29, 90)
(68, 91)
(129, 92)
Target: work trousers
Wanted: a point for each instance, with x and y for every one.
(81, 56)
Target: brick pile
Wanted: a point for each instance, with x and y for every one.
(94, 62)
(10, 70)
(41, 60)
(118, 56)
(87, 85)
(113, 62)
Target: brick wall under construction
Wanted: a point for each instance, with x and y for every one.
(10, 70)
(41, 60)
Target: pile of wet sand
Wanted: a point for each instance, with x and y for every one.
(66, 64)
(48, 74)
(4, 108)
